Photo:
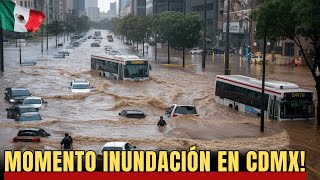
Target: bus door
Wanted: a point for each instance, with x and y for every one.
(273, 110)
(120, 74)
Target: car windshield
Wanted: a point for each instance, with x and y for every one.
(186, 110)
(297, 108)
(80, 86)
(20, 93)
(136, 71)
(24, 110)
(30, 117)
(112, 149)
(28, 133)
(32, 101)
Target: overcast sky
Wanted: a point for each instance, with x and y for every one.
(104, 5)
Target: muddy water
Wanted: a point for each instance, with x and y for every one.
(92, 118)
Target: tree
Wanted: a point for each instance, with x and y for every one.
(181, 30)
(298, 20)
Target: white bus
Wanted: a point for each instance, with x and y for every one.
(121, 67)
(283, 100)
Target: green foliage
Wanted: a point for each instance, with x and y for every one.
(181, 30)
(298, 20)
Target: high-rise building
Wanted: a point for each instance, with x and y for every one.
(138, 7)
(26, 3)
(124, 7)
(93, 13)
(113, 8)
(240, 22)
(211, 19)
(158, 6)
(78, 8)
(91, 3)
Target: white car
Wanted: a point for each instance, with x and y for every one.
(196, 51)
(117, 146)
(37, 102)
(177, 110)
(80, 86)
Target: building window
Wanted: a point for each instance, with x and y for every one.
(21, 3)
(25, 4)
(29, 4)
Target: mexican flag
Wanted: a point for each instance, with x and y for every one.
(19, 19)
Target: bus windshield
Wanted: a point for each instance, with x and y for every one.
(297, 108)
(136, 71)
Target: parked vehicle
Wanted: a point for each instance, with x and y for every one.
(177, 110)
(113, 52)
(132, 114)
(59, 56)
(196, 51)
(29, 116)
(65, 53)
(16, 110)
(16, 95)
(95, 45)
(30, 135)
(37, 102)
(29, 63)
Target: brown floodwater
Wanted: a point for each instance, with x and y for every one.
(92, 118)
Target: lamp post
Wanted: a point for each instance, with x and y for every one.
(227, 53)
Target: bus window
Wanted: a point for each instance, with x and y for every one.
(297, 108)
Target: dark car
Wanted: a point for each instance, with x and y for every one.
(29, 116)
(30, 135)
(16, 110)
(16, 95)
(132, 114)
(95, 45)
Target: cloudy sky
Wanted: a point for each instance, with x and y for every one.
(104, 5)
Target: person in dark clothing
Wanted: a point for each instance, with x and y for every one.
(162, 122)
(66, 142)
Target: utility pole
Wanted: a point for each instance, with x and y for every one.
(42, 30)
(47, 19)
(204, 52)
(156, 38)
(20, 50)
(227, 51)
(168, 37)
(184, 46)
(263, 81)
(1, 50)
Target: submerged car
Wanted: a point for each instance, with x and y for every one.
(37, 102)
(59, 56)
(113, 53)
(80, 86)
(30, 135)
(29, 63)
(117, 146)
(132, 114)
(29, 116)
(16, 95)
(16, 110)
(177, 110)
(65, 53)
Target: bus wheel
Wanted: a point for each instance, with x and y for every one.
(258, 114)
(236, 108)
(230, 106)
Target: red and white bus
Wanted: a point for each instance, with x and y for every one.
(283, 100)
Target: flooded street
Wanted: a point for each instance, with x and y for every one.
(92, 118)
